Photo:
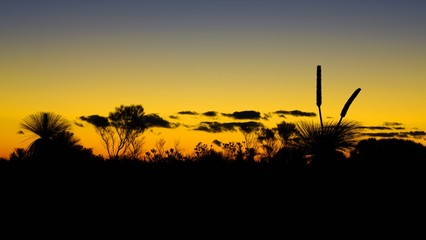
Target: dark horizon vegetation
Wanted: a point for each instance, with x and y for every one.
(288, 147)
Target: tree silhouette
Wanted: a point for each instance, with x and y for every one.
(286, 131)
(121, 130)
(391, 153)
(268, 142)
(52, 133)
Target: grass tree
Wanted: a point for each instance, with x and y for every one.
(50, 132)
(327, 141)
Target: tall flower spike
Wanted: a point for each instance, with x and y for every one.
(319, 95)
(348, 104)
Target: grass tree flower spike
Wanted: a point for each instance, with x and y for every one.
(319, 94)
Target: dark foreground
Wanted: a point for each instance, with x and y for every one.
(213, 197)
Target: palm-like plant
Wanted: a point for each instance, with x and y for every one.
(325, 142)
(328, 142)
(47, 128)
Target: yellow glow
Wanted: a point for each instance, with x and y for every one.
(84, 77)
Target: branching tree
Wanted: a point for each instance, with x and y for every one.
(251, 143)
(269, 143)
(121, 131)
(286, 131)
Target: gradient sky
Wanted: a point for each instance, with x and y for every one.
(87, 57)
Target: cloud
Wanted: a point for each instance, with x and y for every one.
(382, 134)
(399, 128)
(376, 128)
(188, 113)
(210, 114)
(217, 143)
(151, 120)
(217, 127)
(413, 134)
(154, 120)
(416, 134)
(78, 124)
(295, 113)
(253, 115)
(392, 124)
(173, 117)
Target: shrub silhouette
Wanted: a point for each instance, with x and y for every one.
(390, 153)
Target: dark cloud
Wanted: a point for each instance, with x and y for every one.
(151, 120)
(392, 124)
(20, 132)
(154, 120)
(382, 134)
(173, 117)
(217, 127)
(254, 115)
(416, 134)
(217, 143)
(210, 114)
(295, 113)
(399, 128)
(376, 128)
(413, 134)
(188, 113)
(78, 124)
(248, 127)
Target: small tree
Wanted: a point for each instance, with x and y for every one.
(286, 131)
(251, 143)
(121, 131)
(268, 142)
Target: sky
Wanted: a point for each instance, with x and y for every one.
(78, 58)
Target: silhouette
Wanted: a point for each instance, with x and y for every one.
(121, 130)
(286, 131)
(287, 156)
(52, 133)
(390, 153)
(319, 94)
(325, 144)
(348, 104)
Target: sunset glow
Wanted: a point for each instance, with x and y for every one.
(80, 58)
